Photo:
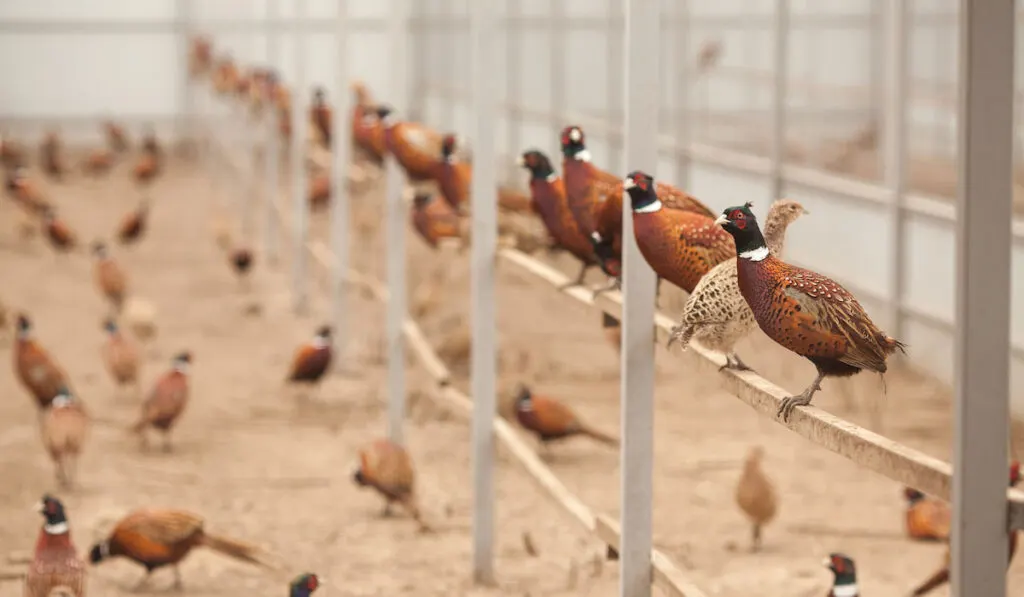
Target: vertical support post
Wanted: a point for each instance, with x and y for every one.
(485, 233)
(272, 156)
(513, 72)
(300, 133)
(187, 109)
(642, 97)
(984, 239)
(897, 39)
(341, 134)
(681, 93)
(395, 226)
(614, 83)
(781, 57)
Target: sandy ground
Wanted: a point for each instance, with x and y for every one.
(260, 466)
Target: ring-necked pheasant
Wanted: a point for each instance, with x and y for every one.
(927, 518)
(435, 219)
(941, 577)
(453, 176)
(166, 401)
(36, 369)
(64, 427)
(716, 314)
(387, 467)
(804, 311)
(156, 537)
(304, 586)
(548, 192)
(551, 420)
(134, 224)
(755, 495)
(55, 562)
(680, 246)
(312, 359)
(584, 190)
(844, 572)
(320, 115)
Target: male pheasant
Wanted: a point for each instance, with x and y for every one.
(680, 246)
(844, 571)
(304, 586)
(716, 313)
(804, 311)
(927, 518)
(453, 176)
(551, 420)
(586, 185)
(435, 219)
(56, 568)
(166, 401)
(36, 369)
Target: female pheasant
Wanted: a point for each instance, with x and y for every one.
(804, 311)
(755, 495)
(304, 585)
(64, 427)
(548, 194)
(110, 278)
(121, 356)
(681, 246)
(551, 420)
(55, 562)
(716, 313)
(36, 370)
(845, 576)
(166, 401)
(927, 518)
(157, 537)
(387, 467)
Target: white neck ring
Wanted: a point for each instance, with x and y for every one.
(758, 254)
(649, 209)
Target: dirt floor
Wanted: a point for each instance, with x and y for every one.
(261, 466)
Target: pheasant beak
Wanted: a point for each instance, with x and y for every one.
(721, 220)
(39, 507)
(827, 562)
(805, 212)
(628, 183)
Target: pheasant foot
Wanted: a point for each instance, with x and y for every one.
(803, 399)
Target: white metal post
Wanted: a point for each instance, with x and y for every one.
(341, 135)
(781, 57)
(897, 37)
(272, 166)
(681, 93)
(300, 125)
(187, 111)
(614, 83)
(641, 101)
(396, 229)
(983, 298)
(484, 235)
(513, 74)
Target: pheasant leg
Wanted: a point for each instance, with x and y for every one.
(755, 539)
(732, 361)
(791, 402)
(613, 284)
(142, 583)
(579, 278)
(178, 586)
(386, 512)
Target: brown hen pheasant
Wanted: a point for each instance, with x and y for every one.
(387, 467)
(64, 426)
(435, 219)
(804, 311)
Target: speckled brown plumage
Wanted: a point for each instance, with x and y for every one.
(435, 219)
(681, 246)
(387, 467)
(804, 311)
(548, 194)
(716, 314)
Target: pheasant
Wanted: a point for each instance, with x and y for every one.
(583, 192)
(166, 401)
(157, 537)
(116, 138)
(845, 576)
(147, 167)
(121, 356)
(64, 427)
(386, 466)
(319, 190)
(110, 278)
(927, 518)
(55, 568)
(453, 176)
(99, 161)
(320, 115)
(755, 495)
(134, 224)
(805, 312)
(36, 369)
(680, 246)
(312, 360)
(716, 313)
(548, 193)
(57, 232)
(434, 219)
(410, 144)
(551, 420)
(941, 577)
(304, 586)
(607, 234)
(51, 157)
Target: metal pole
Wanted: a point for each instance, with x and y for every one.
(485, 233)
(187, 110)
(897, 33)
(272, 166)
(779, 98)
(681, 93)
(300, 120)
(614, 82)
(395, 226)
(341, 134)
(642, 98)
(513, 72)
(983, 298)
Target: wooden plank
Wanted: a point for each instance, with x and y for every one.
(868, 449)
(665, 575)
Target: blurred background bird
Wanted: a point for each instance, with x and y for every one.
(121, 357)
(241, 262)
(64, 426)
(60, 235)
(844, 576)
(52, 156)
(311, 360)
(387, 467)
(166, 401)
(117, 140)
(927, 518)
(133, 225)
(36, 369)
(304, 585)
(434, 220)
(755, 495)
(55, 567)
(551, 420)
(110, 278)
